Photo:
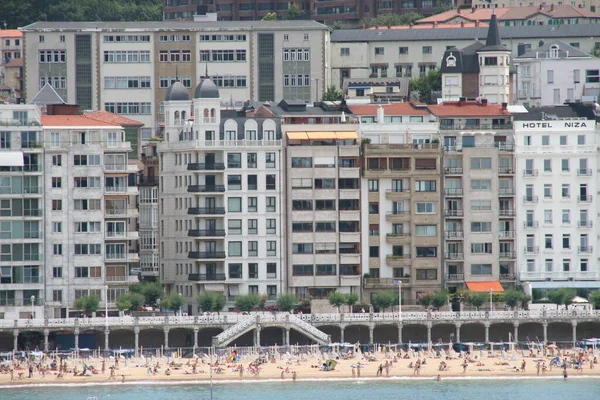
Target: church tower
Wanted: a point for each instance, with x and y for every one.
(494, 67)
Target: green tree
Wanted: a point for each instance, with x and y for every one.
(336, 299)
(87, 304)
(130, 301)
(248, 302)
(389, 20)
(332, 94)
(439, 299)
(173, 302)
(211, 301)
(272, 16)
(351, 300)
(151, 291)
(562, 296)
(442, 7)
(425, 299)
(123, 303)
(294, 12)
(287, 301)
(595, 299)
(424, 85)
(476, 299)
(513, 297)
(384, 300)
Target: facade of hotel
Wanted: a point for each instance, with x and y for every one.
(220, 193)
(127, 67)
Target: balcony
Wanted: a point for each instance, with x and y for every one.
(530, 173)
(531, 224)
(206, 211)
(584, 199)
(455, 277)
(122, 257)
(506, 213)
(455, 256)
(453, 170)
(206, 232)
(530, 199)
(585, 249)
(397, 194)
(506, 191)
(453, 192)
(508, 277)
(384, 283)
(459, 127)
(398, 238)
(454, 235)
(397, 216)
(506, 235)
(532, 249)
(122, 279)
(129, 235)
(508, 255)
(206, 167)
(206, 277)
(506, 170)
(398, 260)
(454, 213)
(584, 172)
(452, 149)
(206, 255)
(120, 212)
(585, 224)
(206, 189)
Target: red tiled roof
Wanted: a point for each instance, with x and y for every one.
(10, 33)
(428, 26)
(388, 109)
(71, 120)
(17, 62)
(495, 286)
(111, 118)
(453, 109)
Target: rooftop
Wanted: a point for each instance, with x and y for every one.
(468, 109)
(10, 33)
(564, 51)
(112, 119)
(571, 110)
(73, 120)
(439, 26)
(16, 62)
(388, 109)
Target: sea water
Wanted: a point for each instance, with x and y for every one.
(394, 389)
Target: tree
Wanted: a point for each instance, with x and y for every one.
(123, 303)
(130, 301)
(272, 16)
(294, 12)
(439, 299)
(476, 299)
(336, 299)
(442, 7)
(389, 20)
(424, 85)
(87, 304)
(351, 300)
(384, 300)
(173, 301)
(595, 299)
(513, 297)
(287, 301)
(332, 94)
(425, 299)
(211, 301)
(562, 296)
(248, 302)
(151, 291)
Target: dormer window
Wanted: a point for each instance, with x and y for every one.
(450, 61)
(554, 51)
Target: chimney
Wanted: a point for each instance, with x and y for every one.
(473, 9)
(484, 102)
(462, 24)
(504, 106)
(435, 24)
(458, 10)
(477, 23)
(541, 7)
(552, 7)
(461, 101)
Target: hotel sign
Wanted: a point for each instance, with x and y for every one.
(555, 125)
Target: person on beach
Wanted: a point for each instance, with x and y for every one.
(353, 372)
(294, 376)
(538, 367)
(103, 366)
(241, 369)
(465, 365)
(523, 365)
(379, 370)
(438, 378)
(282, 374)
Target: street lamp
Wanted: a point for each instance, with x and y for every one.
(106, 305)
(32, 304)
(491, 303)
(180, 307)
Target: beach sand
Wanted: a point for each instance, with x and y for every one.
(136, 369)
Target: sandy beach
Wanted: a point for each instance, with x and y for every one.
(308, 366)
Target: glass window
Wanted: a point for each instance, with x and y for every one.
(234, 204)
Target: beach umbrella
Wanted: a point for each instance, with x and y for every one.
(330, 364)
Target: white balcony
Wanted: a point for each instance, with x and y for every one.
(129, 235)
(122, 257)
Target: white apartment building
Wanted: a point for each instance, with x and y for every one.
(554, 73)
(556, 154)
(127, 67)
(221, 203)
(21, 212)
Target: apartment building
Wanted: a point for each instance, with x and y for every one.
(11, 45)
(21, 212)
(556, 72)
(401, 199)
(90, 212)
(220, 194)
(479, 194)
(556, 165)
(409, 51)
(127, 67)
(148, 212)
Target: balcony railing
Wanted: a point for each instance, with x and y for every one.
(206, 210)
(506, 191)
(584, 199)
(531, 224)
(584, 172)
(403, 146)
(398, 212)
(456, 127)
(455, 277)
(206, 167)
(530, 199)
(506, 234)
(510, 255)
(206, 232)
(454, 213)
(508, 277)
(454, 235)
(206, 254)
(585, 224)
(530, 172)
(506, 213)
(453, 170)
(452, 149)
(206, 277)
(506, 170)
(455, 256)
(532, 249)
(453, 191)
(385, 282)
(585, 249)
(206, 188)
(398, 190)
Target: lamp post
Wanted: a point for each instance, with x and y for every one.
(32, 308)
(180, 307)
(106, 306)
(491, 303)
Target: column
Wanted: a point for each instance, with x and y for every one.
(196, 330)
(287, 336)
(46, 334)
(16, 340)
(257, 336)
(371, 329)
(574, 324)
(400, 333)
(76, 334)
(458, 325)
(487, 332)
(342, 331)
(166, 338)
(106, 337)
(516, 334)
(428, 334)
(136, 338)
(545, 326)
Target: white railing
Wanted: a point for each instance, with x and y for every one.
(309, 328)
(234, 331)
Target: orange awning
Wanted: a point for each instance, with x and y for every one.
(346, 135)
(495, 286)
(297, 136)
(321, 135)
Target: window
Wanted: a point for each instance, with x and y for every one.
(546, 140)
(252, 248)
(566, 217)
(57, 272)
(547, 191)
(57, 227)
(270, 160)
(324, 226)
(234, 182)
(56, 205)
(379, 51)
(481, 227)
(373, 208)
(301, 162)
(57, 160)
(481, 269)
(234, 204)
(564, 163)
(563, 140)
(302, 270)
(252, 227)
(253, 271)
(583, 265)
(481, 184)
(251, 160)
(373, 251)
(481, 248)
(426, 274)
(550, 76)
(548, 242)
(373, 185)
(271, 270)
(592, 76)
(324, 205)
(252, 204)
(271, 226)
(234, 160)
(481, 163)
(234, 227)
(235, 270)
(426, 252)
(57, 249)
(547, 165)
(302, 227)
(271, 248)
(325, 269)
(426, 208)
(302, 205)
(426, 230)
(481, 205)
(344, 51)
(234, 249)
(302, 248)
(56, 182)
(427, 49)
(402, 50)
(271, 207)
(270, 182)
(425, 186)
(565, 191)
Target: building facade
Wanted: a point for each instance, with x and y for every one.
(220, 207)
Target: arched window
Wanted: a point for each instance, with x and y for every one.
(554, 51)
(176, 122)
(213, 113)
(183, 116)
(206, 113)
